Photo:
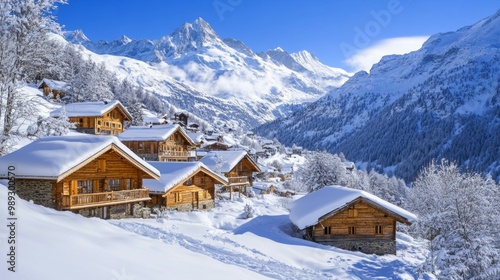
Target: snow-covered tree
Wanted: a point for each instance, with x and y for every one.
(322, 169)
(24, 26)
(458, 213)
(50, 126)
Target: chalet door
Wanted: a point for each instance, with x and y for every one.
(195, 200)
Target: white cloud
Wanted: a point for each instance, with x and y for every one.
(365, 58)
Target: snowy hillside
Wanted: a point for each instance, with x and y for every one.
(439, 101)
(217, 244)
(214, 78)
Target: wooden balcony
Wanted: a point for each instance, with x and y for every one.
(183, 154)
(104, 198)
(238, 181)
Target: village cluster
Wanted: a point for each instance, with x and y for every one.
(111, 172)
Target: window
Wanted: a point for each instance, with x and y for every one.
(81, 120)
(106, 124)
(352, 213)
(114, 184)
(84, 186)
(98, 130)
(188, 182)
(98, 122)
(378, 230)
(140, 145)
(202, 180)
(328, 230)
(113, 125)
(352, 230)
(119, 126)
(178, 197)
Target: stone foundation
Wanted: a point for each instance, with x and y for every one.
(379, 247)
(37, 190)
(202, 205)
(119, 211)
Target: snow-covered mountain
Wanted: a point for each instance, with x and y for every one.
(221, 75)
(440, 101)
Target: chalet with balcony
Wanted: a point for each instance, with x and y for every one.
(100, 118)
(168, 142)
(237, 166)
(95, 176)
(349, 219)
(183, 186)
(52, 88)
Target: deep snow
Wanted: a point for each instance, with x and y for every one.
(215, 244)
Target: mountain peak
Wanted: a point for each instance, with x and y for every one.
(192, 36)
(75, 36)
(125, 40)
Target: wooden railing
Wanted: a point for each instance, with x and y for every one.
(238, 180)
(91, 199)
(179, 153)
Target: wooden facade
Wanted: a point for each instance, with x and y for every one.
(110, 123)
(56, 89)
(358, 226)
(349, 219)
(183, 186)
(106, 184)
(197, 192)
(241, 176)
(176, 147)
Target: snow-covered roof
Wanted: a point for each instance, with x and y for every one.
(90, 109)
(307, 210)
(223, 161)
(196, 137)
(53, 84)
(150, 133)
(53, 157)
(173, 173)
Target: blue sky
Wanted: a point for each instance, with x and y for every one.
(351, 34)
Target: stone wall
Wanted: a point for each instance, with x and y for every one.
(202, 205)
(119, 211)
(379, 247)
(39, 191)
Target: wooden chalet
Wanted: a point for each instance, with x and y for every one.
(349, 219)
(181, 118)
(237, 166)
(100, 118)
(183, 186)
(167, 142)
(57, 89)
(216, 146)
(95, 176)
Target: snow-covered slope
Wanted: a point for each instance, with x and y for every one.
(214, 244)
(202, 70)
(439, 101)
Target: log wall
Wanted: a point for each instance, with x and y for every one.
(361, 227)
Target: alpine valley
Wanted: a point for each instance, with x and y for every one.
(442, 101)
(216, 79)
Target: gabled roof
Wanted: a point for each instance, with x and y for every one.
(53, 84)
(153, 133)
(91, 109)
(315, 207)
(174, 173)
(196, 137)
(225, 161)
(56, 157)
